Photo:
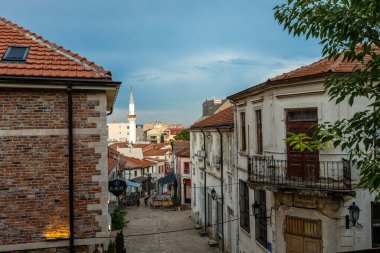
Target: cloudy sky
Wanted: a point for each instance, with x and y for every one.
(175, 53)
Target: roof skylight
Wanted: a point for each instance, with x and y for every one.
(16, 54)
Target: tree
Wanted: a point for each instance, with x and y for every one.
(348, 30)
(184, 135)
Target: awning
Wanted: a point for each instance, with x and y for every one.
(139, 179)
(133, 184)
(167, 179)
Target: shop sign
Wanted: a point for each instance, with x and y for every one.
(305, 201)
(117, 186)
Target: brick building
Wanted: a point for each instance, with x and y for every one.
(53, 142)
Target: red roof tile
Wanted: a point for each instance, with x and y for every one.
(111, 164)
(320, 67)
(134, 163)
(222, 118)
(155, 152)
(45, 59)
(184, 151)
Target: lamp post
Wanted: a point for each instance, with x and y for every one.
(149, 179)
(354, 211)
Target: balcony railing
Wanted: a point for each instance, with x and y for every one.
(323, 175)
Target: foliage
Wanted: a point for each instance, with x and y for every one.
(304, 142)
(111, 247)
(348, 30)
(183, 136)
(118, 218)
(119, 240)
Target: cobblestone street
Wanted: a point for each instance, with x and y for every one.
(144, 220)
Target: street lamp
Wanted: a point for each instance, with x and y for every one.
(256, 210)
(354, 211)
(213, 194)
(149, 178)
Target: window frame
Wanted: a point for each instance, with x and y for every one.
(374, 244)
(186, 171)
(259, 132)
(8, 51)
(243, 135)
(244, 206)
(261, 223)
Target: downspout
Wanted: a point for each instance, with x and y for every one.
(204, 179)
(221, 183)
(109, 113)
(237, 174)
(71, 162)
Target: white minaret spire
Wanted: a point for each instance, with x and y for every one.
(132, 118)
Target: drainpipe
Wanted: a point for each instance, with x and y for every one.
(221, 183)
(204, 179)
(237, 173)
(71, 162)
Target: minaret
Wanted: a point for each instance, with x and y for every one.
(132, 119)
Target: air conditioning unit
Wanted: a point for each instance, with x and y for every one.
(217, 166)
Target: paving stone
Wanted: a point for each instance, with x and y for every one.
(144, 220)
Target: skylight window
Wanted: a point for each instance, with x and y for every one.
(16, 54)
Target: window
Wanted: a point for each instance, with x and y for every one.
(261, 220)
(16, 54)
(375, 221)
(307, 114)
(259, 132)
(194, 194)
(135, 173)
(244, 206)
(186, 167)
(243, 144)
(193, 171)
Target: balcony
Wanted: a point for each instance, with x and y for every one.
(329, 176)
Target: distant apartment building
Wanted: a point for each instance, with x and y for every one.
(159, 132)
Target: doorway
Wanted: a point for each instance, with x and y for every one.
(303, 235)
(304, 164)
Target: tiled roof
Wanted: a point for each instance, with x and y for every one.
(45, 59)
(155, 152)
(184, 151)
(321, 67)
(222, 118)
(111, 164)
(118, 145)
(134, 163)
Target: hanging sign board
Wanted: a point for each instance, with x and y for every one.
(117, 187)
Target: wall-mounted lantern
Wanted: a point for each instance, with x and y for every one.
(256, 210)
(354, 211)
(214, 195)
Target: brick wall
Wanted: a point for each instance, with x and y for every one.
(34, 164)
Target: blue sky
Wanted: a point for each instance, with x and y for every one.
(175, 53)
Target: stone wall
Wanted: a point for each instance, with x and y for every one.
(34, 198)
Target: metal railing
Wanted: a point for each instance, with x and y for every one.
(323, 175)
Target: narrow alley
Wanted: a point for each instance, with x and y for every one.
(143, 220)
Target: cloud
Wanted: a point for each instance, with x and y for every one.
(175, 89)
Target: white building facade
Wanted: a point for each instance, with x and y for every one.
(214, 178)
(292, 201)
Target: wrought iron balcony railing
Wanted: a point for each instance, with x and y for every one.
(321, 175)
